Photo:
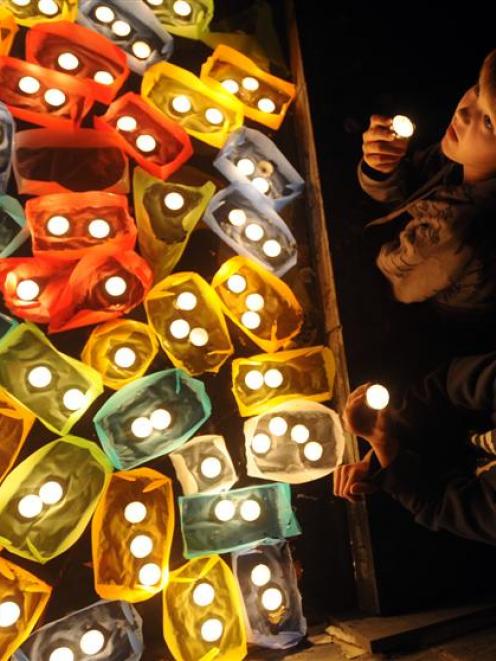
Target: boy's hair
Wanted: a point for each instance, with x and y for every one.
(488, 76)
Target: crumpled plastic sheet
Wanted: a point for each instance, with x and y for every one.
(15, 425)
(192, 25)
(34, 12)
(13, 230)
(8, 30)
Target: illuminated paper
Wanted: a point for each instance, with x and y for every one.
(187, 316)
(43, 11)
(48, 499)
(121, 351)
(7, 130)
(202, 612)
(13, 230)
(150, 417)
(295, 442)
(15, 423)
(188, 18)
(56, 388)
(131, 535)
(8, 30)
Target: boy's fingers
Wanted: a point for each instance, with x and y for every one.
(380, 120)
(378, 133)
(337, 480)
(362, 488)
(380, 147)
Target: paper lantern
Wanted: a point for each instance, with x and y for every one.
(206, 114)
(42, 96)
(66, 225)
(159, 145)
(8, 30)
(7, 130)
(31, 12)
(237, 519)
(49, 161)
(104, 630)
(295, 442)
(46, 502)
(102, 286)
(249, 156)
(186, 18)
(80, 53)
(202, 612)
(204, 465)
(133, 28)
(121, 351)
(23, 598)
(263, 306)
(15, 423)
(250, 226)
(265, 98)
(13, 231)
(266, 380)
(131, 535)
(267, 580)
(150, 417)
(55, 387)
(186, 314)
(166, 214)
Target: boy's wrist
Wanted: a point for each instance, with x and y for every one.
(374, 174)
(385, 447)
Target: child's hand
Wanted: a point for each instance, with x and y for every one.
(350, 479)
(382, 150)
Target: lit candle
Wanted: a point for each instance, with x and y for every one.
(174, 201)
(179, 329)
(68, 61)
(214, 116)
(21, 3)
(273, 378)
(203, 594)
(182, 8)
(266, 105)
(261, 443)
(103, 77)
(261, 184)
(141, 50)
(254, 379)
(272, 248)
(181, 104)
(141, 546)
(236, 284)
(29, 85)
(211, 468)
(186, 301)
(10, 612)
(224, 510)
(402, 126)
(149, 574)
(254, 232)
(54, 97)
(260, 575)
(255, 302)
(251, 320)
(27, 290)
(278, 426)
(58, 225)
(146, 143)
(250, 510)
(141, 427)
(313, 451)
(126, 123)
(74, 399)
(48, 7)
(237, 217)
(92, 642)
(377, 397)
(230, 85)
(246, 166)
(61, 654)
(250, 84)
(125, 357)
(115, 286)
(121, 28)
(211, 630)
(99, 228)
(40, 376)
(300, 433)
(30, 506)
(272, 599)
(104, 14)
(135, 512)
(51, 492)
(155, 3)
(198, 337)
(160, 419)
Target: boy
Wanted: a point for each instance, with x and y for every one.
(445, 200)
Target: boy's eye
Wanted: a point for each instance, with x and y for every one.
(487, 122)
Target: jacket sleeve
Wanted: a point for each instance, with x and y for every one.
(382, 188)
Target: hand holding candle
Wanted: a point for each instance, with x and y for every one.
(385, 143)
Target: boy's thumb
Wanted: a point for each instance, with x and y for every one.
(362, 488)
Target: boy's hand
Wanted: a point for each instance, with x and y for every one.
(382, 150)
(350, 479)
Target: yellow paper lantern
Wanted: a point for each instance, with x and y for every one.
(15, 424)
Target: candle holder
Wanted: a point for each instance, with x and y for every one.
(166, 214)
(42, 11)
(48, 499)
(151, 417)
(266, 380)
(8, 30)
(131, 535)
(259, 303)
(13, 230)
(184, 18)
(203, 612)
(237, 519)
(187, 316)
(16, 423)
(7, 130)
(295, 442)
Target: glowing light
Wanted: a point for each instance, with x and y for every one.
(266, 105)
(155, 3)
(40, 376)
(74, 399)
(211, 630)
(236, 284)
(104, 14)
(182, 8)
(29, 85)
(150, 574)
(262, 185)
(54, 97)
(225, 510)
(125, 357)
(300, 434)
(273, 378)
(141, 50)
(250, 510)
(121, 28)
(214, 116)
(254, 232)
(255, 302)
(181, 104)
(146, 143)
(246, 166)
(51, 492)
(272, 248)
(174, 201)
(260, 575)
(179, 329)
(272, 599)
(62, 654)
(186, 301)
(251, 320)
(402, 126)
(278, 426)
(198, 337)
(203, 594)
(126, 123)
(313, 451)
(211, 467)
(377, 397)
(30, 506)
(254, 380)
(160, 419)
(103, 77)
(92, 642)
(115, 286)
(141, 546)
(237, 217)
(68, 61)
(27, 290)
(99, 228)
(250, 84)
(10, 612)
(48, 7)
(261, 443)
(21, 3)
(141, 427)
(230, 85)
(58, 225)
(135, 512)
